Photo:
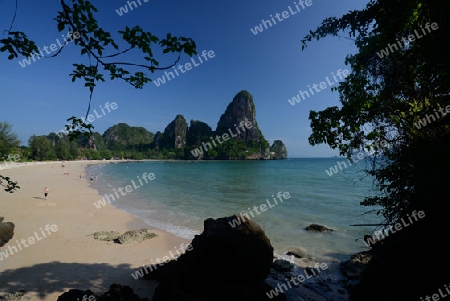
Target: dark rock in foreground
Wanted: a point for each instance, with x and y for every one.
(282, 265)
(76, 295)
(355, 266)
(318, 228)
(225, 263)
(116, 292)
(298, 252)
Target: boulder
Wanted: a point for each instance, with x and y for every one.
(6, 232)
(354, 267)
(318, 228)
(298, 252)
(282, 265)
(224, 263)
(77, 295)
(106, 235)
(135, 235)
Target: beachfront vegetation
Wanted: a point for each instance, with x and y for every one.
(386, 93)
(122, 141)
(9, 146)
(8, 140)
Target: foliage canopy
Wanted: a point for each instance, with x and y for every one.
(385, 95)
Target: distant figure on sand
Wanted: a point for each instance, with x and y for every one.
(46, 190)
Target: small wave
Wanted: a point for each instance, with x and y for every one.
(179, 231)
(176, 230)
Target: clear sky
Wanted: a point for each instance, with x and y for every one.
(270, 65)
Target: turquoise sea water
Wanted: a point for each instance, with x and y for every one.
(184, 194)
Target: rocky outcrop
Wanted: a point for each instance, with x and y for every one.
(282, 265)
(298, 252)
(197, 133)
(355, 266)
(106, 235)
(124, 135)
(125, 238)
(237, 137)
(6, 231)
(225, 263)
(278, 150)
(157, 140)
(135, 235)
(175, 133)
(240, 111)
(77, 295)
(318, 228)
(14, 296)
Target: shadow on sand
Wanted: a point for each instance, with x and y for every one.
(56, 277)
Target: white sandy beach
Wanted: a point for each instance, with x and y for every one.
(55, 261)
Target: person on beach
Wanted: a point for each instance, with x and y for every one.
(46, 190)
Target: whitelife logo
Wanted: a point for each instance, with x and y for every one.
(53, 48)
(322, 85)
(423, 122)
(11, 250)
(91, 118)
(110, 197)
(382, 234)
(280, 17)
(124, 9)
(411, 38)
(241, 216)
(206, 146)
(187, 66)
(161, 261)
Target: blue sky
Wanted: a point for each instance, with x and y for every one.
(39, 98)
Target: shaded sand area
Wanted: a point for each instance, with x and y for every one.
(69, 257)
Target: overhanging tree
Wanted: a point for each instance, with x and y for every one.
(383, 98)
(102, 52)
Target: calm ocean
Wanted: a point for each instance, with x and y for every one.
(184, 194)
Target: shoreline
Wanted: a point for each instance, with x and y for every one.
(69, 258)
(278, 252)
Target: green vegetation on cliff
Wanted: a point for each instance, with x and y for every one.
(178, 141)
